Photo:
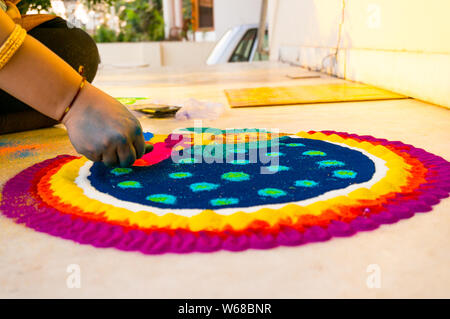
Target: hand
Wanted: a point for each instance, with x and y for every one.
(102, 129)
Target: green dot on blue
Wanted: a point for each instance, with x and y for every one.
(274, 154)
(331, 163)
(188, 160)
(294, 144)
(277, 168)
(129, 184)
(314, 153)
(271, 192)
(306, 183)
(239, 162)
(204, 186)
(180, 175)
(239, 151)
(224, 201)
(344, 174)
(236, 176)
(121, 171)
(162, 198)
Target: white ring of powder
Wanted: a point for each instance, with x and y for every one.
(83, 182)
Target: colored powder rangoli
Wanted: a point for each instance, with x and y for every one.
(203, 190)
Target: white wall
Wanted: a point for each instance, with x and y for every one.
(401, 45)
(229, 13)
(130, 53)
(185, 53)
(155, 54)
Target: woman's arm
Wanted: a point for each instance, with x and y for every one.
(37, 76)
(99, 127)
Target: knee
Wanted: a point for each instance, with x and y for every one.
(86, 51)
(71, 44)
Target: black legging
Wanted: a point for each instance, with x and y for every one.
(75, 47)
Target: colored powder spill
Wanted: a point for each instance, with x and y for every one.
(344, 174)
(21, 151)
(314, 153)
(224, 201)
(129, 100)
(162, 198)
(148, 136)
(271, 192)
(129, 184)
(330, 163)
(306, 183)
(236, 176)
(180, 175)
(199, 187)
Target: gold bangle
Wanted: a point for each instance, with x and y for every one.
(11, 45)
(67, 109)
(82, 84)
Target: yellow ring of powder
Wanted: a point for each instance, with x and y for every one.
(63, 186)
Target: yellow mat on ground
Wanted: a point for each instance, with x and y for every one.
(319, 93)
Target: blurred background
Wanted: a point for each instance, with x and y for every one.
(157, 32)
(400, 45)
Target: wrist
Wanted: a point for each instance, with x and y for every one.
(74, 99)
(79, 104)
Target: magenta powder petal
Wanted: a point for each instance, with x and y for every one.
(290, 237)
(208, 242)
(236, 243)
(183, 242)
(340, 229)
(135, 240)
(401, 212)
(262, 241)
(316, 233)
(362, 223)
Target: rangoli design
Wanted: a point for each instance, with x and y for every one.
(202, 190)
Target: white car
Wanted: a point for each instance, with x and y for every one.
(238, 44)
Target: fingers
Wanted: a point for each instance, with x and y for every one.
(110, 157)
(148, 148)
(139, 145)
(127, 154)
(92, 156)
(124, 154)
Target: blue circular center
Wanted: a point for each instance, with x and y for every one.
(289, 170)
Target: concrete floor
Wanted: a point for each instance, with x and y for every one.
(413, 254)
